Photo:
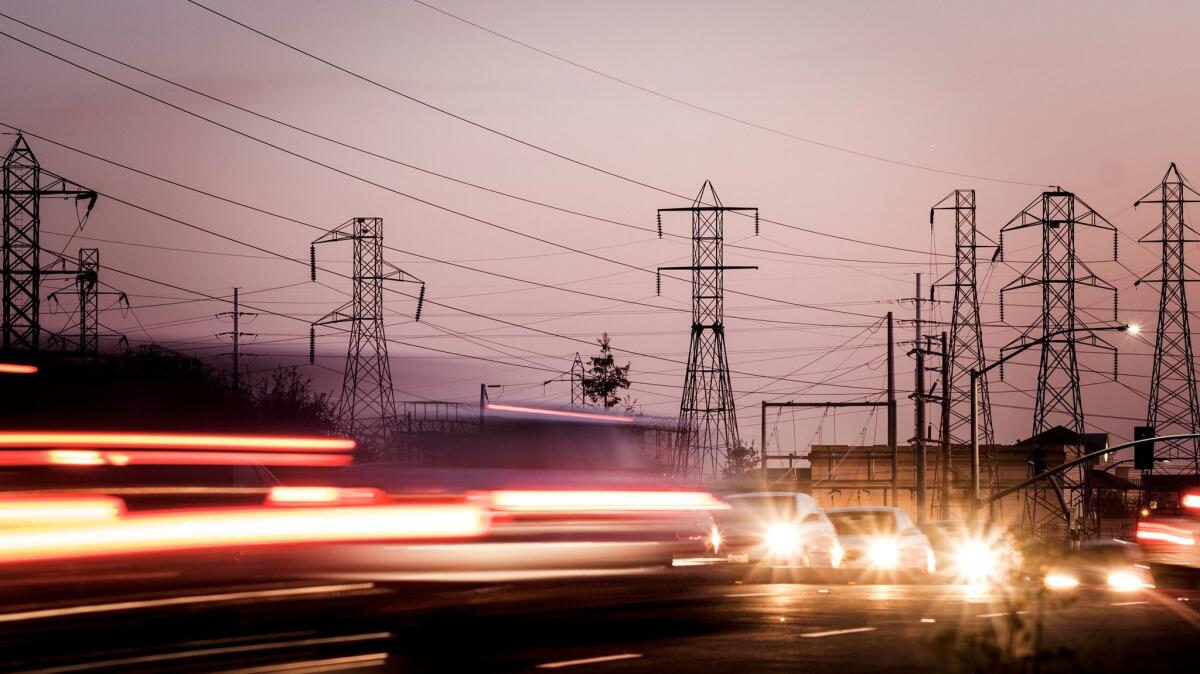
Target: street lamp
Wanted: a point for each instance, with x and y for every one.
(977, 374)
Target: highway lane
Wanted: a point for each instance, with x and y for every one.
(702, 620)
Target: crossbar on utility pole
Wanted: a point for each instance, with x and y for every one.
(767, 404)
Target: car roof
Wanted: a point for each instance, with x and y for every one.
(749, 494)
(854, 509)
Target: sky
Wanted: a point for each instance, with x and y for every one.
(873, 112)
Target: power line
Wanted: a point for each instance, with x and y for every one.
(520, 141)
(398, 162)
(717, 113)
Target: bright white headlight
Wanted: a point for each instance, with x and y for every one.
(1060, 581)
(783, 539)
(1123, 581)
(884, 553)
(714, 539)
(976, 560)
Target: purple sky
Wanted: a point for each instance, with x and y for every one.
(1095, 97)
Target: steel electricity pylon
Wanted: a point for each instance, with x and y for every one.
(88, 291)
(1173, 403)
(26, 183)
(707, 413)
(577, 374)
(1057, 273)
(367, 406)
(965, 348)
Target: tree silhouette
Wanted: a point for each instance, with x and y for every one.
(605, 381)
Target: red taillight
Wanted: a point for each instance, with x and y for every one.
(1152, 531)
(59, 440)
(182, 457)
(187, 530)
(534, 501)
(17, 368)
(38, 509)
(1191, 500)
(325, 496)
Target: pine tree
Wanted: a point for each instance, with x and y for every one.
(605, 380)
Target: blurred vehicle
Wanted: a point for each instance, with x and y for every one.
(1170, 534)
(878, 538)
(1105, 565)
(566, 494)
(778, 527)
(971, 553)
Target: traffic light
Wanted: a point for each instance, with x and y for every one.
(1143, 451)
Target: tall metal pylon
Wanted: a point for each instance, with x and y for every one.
(1174, 407)
(367, 406)
(966, 351)
(707, 413)
(26, 183)
(577, 374)
(87, 293)
(1057, 273)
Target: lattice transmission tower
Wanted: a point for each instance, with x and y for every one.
(26, 183)
(1057, 272)
(707, 413)
(367, 407)
(88, 291)
(966, 351)
(1174, 407)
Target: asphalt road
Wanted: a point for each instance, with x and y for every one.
(697, 621)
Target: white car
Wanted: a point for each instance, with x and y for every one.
(877, 538)
(777, 527)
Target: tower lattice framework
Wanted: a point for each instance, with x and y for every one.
(367, 407)
(1174, 407)
(966, 351)
(1057, 273)
(707, 412)
(26, 183)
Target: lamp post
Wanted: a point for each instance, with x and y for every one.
(976, 375)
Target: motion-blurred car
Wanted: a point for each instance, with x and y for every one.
(779, 528)
(881, 539)
(1105, 565)
(971, 553)
(1170, 534)
(567, 494)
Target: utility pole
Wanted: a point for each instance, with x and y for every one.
(919, 409)
(367, 406)
(1057, 273)
(707, 408)
(25, 184)
(1174, 407)
(947, 445)
(891, 411)
(236, 334)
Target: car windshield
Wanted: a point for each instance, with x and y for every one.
(945, 533)
(863, 522)
(538, 445)
(768, 506)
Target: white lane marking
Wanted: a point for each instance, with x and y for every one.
(928, 620)
(589, 661)
(1128, 603)
(183, 655)
(1000, 614)
(834, 633)
(176, 601)
(753, 594)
